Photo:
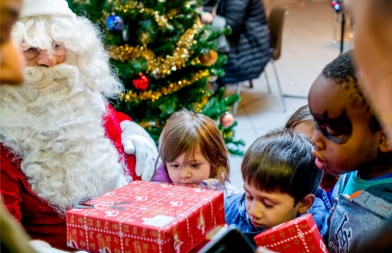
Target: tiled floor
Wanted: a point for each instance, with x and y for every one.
(308, 45)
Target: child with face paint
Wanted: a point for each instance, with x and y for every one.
(302, 121)
(280, 182)
(349, 141)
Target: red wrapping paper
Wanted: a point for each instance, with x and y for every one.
(145, 217)
(299, 235)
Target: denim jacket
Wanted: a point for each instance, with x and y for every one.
(235, 212)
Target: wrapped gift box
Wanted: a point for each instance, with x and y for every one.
(297, 235)
(145, 217)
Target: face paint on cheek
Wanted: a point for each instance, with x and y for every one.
(337, 130)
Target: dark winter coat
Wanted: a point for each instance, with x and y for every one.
(250, 44)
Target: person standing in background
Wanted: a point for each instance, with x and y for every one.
(250, 42)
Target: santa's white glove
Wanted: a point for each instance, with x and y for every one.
(137, 141)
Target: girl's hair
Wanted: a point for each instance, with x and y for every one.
(302, 114)
(281, 161)
(184, 132)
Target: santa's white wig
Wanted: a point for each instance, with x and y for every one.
(43, 22)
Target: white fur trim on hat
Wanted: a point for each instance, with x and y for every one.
(36, 8)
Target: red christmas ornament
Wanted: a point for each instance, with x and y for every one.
(141, 83)
(227, 119)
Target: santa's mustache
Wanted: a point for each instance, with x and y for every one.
(42, 84)
(42, 77)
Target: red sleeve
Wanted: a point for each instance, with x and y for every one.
(122, 116)
(10, 180)
(38, 219)
(113, 132)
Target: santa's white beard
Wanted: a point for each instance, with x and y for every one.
(55, 124)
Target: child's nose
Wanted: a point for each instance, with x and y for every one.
(317, 139)
(255, 210)
(185, 172)
(44, 59)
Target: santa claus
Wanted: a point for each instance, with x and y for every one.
(61, 141)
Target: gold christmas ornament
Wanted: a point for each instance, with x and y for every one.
(209, 58)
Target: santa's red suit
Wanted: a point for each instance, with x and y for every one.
(61, 142)
(39, 219)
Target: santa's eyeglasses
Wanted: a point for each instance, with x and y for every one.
(33, 52)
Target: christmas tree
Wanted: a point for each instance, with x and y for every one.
(165, 58)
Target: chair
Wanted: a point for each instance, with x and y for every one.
(275, 23)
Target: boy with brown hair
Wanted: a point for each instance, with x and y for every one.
(281, 183)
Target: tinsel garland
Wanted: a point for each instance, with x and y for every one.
(197, 107)
(161, 20)
(160, 66)
(172, 87)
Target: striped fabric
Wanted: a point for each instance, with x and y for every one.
(250, 39)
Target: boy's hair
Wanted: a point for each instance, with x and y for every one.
(302, 114)
(281, 161)
(185, 131)
(343, 71)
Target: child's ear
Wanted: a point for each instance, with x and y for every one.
(385, 144)
(306, 203)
